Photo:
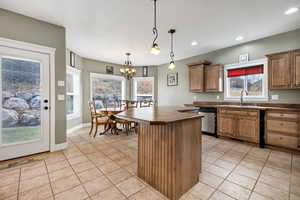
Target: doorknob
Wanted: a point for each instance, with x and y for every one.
(46, 107)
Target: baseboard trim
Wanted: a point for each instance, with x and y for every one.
(58, 147)
(75, 128)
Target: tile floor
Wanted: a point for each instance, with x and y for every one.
(105, 168)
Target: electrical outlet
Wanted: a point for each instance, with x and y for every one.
(60, 97)
(218, 97)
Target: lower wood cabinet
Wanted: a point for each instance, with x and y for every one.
(239, 123)
(283, 129)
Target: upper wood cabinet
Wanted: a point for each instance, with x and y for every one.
(296, 68)
(213, 76)
(196, 81)
(205, 78)
(284, 70)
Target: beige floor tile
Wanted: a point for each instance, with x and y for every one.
(235, 190)
(119, 175)
(225, 164)
(97, 185)
(33, 183)
(77, 160)
(294, 197)
(276, 173)
(147, 194)
(28, 173)
(130, 186)
(109, 167)
(8, 191)
(110, 194)
(218, 171)
(132, 168)
(124, 161)
(64, 184)
(202, 191)
(271, 192)
(57, 166)
(116, 156)
(9, 177)
(77, 193)
(59, 174)
(89, 175)
(275, 182)
(80, 167)
(210, 179)
(38, 193)
(220, 196)
(251, 173)
(256, 196)
(55, 157)
(101, 161)
(241, 180)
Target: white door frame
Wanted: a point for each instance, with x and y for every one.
(51, 52)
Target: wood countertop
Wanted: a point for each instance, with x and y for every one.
(158, 115)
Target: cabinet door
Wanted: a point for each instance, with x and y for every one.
(248, 129)
(196, 78)
(213, 78)
(279, 71)
(296, 69)
(227, 125)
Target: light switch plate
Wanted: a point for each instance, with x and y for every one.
(275, 97)
(60, 97)
(61, 83)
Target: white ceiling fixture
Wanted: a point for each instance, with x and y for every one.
(194, 43)
(93, 26)
(239, 38)
(291, 11)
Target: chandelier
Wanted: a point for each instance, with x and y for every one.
(128, 70)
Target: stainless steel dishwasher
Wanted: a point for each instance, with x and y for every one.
(209, 120)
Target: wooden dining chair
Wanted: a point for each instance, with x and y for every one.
(98, 119)
(145, 103)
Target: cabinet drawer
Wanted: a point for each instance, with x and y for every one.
(249, 113)
(233, 112)
(282, 140)
(283, 115)
(282, 126)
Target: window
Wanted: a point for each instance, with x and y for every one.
(105, 89)
(73, 93)
(250, 77)
(143, 88)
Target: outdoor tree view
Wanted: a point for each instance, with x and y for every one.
(144, 90)
(20, 84)
(251, 83)
(106, 91)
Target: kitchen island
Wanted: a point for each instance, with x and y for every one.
(169, 148)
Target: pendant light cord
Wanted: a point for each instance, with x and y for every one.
(155, 32)
(172, 51)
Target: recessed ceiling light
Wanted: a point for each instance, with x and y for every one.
(194, 43)
(291, 11)
(239, 38)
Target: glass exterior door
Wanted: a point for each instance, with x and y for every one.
(24, 111)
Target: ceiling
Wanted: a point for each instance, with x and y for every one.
(107, 29)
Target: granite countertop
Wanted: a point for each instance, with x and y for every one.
(158, 115)
(247, 105)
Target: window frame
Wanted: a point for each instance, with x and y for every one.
(136, 79)
(265, 95)
(109, 77)
(76, 73)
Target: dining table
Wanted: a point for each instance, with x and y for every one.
(110, 113)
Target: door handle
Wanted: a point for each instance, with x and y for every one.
(46, 107)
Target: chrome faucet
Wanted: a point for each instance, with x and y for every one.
(242, 96)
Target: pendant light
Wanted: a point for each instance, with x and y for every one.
(128, 70)
(155, 48)
(172, 63)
